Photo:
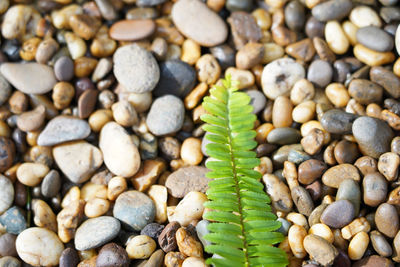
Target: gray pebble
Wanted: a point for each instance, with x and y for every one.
(96, 232)
(285, 225)
(9, 261)
(7, 245)
(330, 215)
(224, 54)
(134, 209)
(258, 100)
(295, 15)
(6, 193)
(5, 90)
(297, 156)
(69, 258)
(380, 244)
(201, 230)
(166, 115)
(284, 136)
(142, 3)
(239, 5)
(13, 220)
(373, 136)
(337, 121)
(153, 230)
(64, 69)
(332, 10)
(320, 73)
(176, 78)
(51, 184)
(375, 39)
(302, 200)
(350, 190)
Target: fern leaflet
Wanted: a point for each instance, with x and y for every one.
(242, 232)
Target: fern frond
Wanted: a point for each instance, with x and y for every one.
(243, 228)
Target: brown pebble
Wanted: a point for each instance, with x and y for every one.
(387, 220)
(310, 170)
(31, 120)
(366, 164)
(302, 50)
(346, 152)
(167, 239)
(87, 102)
(132, 30)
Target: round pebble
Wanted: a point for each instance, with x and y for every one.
(112, 255)
(64, 69)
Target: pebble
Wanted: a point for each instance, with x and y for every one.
(188, 244)
(314, 28)
(7, 245)
(13, 220)
(302, 200)
(279, 193)
(374, 38)
(284, 136)
(337, 121)
(365, 92)
(279, 76)
(346, 152)
(95, 232)
(39, 247)
(167, 238)
(51, 184)
(69, 257)
(112, 255)
(336, 174)
(244, 28)
(121, 155)
(343, 207)
(310, 170)
(63, 129)
(363, 16)
(176, 77)
(5, 89)
(258, 100)
(336, 37)
(201, 231)
(189, 208)
(132, 30)
(371, 57)
(152, 230)
(302, 50)
(6, 194)
(140, 247)
(31, 174)
(78, 160)
(380, 244)
(332, 10)
(387, 220)
(295, 15)
(319, 249)
(375, 189)
(134, 209)
(166, 115)
(64, 69)
(387, 79)
(136, 69)
(8, 153)
(373, 136)
(9, 261)
(196, 21)
(187, 179)
(320, 73)
(373, 261)
(31, 120)
(350, 190)
(23, 77)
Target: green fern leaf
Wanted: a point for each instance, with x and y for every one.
(242, 228)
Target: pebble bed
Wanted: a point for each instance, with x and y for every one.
(102, 149)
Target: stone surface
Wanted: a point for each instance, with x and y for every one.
(136, 69)
(373, 136)
(31, 120)
(195, 20)
(176, 78)
(121, 155)
(166, 115)
(63, 129)
(78, 160)
(24, 77)
(134, 209)
(39, 247)
(186, 179)
(6, 193)
(95, 232)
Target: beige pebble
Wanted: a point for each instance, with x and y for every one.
(173, 52)
(194, 262)
(363, 16)
(302, 90)
(265, 167)
(44, 215)
(371, 57)
(337, 94)
(388, 165)
(245, 77)
(99, 118)
(196, 95)
(17, 21)
(187, 244)
(304, 112)
(191, 151)
(272, 51)
(191, 51)
(73, 194)
(297, 218)
(189, 208)
(96, 207)
(249, 55)
(31, 174)
(116, 186)
(357, 225)
(336, 37)
(396, 67)
(62, 95)
(124, 113)
(323, 231)
(76, 45)
(350, 30)
(60, 17)
(141, 102)
(159, 194)
(140, 247)
(68, 220)
(296, 236)
(358, 245)
(91, 190)
(282, 112)
(208, 69)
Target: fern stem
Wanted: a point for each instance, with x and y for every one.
(240, 206)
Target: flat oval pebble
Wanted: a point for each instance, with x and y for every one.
(6, 193)
(320, 250)
(166, 115)
(186, 179)
(279, 76)
(334, 176)
(176, 78)
(132, 30)
(136, 69)
(373, 136)
(39, 247)
(78, 160)
(121, 155)
(95, 232)
(64, 68)
(330, 215)
(387, 79)
(62, 129)
(338, 121)
(365, 92)
(332, 10)
(134, 209)
(195, 20)
(374, 38)
(284, 136)
(51, 184)
(24, 77)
